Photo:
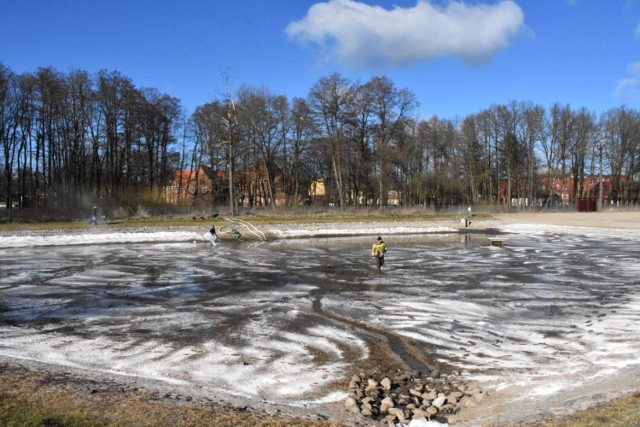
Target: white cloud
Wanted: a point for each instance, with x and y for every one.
(357, 34)
(637, 31)
(634, 68)
(629, 88)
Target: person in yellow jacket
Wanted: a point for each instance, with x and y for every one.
(377, 251)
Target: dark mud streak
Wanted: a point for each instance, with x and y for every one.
(397, 346)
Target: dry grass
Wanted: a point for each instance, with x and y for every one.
(622, 412)
(34, 398)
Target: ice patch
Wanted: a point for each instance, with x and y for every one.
(94, 239)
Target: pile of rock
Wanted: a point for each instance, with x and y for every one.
(400, 396)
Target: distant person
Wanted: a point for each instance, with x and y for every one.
(212, 231)
(467, 220)
(377, 251)
(94, 217)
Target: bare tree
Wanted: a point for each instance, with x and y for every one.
(621, 127)
(211, 140)
(474, 156)
(488, 139)
(302, 132)
(534, 133)
(9, 138)
(585, 132)
(361, 147)
(509, 127)
(555, 145)
(78, 112)
(390, 109)
(331, 101)
(261, 113)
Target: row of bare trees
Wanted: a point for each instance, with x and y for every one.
(73, 139)
(363, 140)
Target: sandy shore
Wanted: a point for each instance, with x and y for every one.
(606, 219)
(612, 219)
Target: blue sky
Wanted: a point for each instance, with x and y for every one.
(458, 57)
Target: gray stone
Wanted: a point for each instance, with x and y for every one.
(419, 414)
(456, 394)
(373, 394)
(352, 405)
(439, 401)
(404, 395)
(415, 393)
(385, 404)
(353, 385)
(432, 410)
(366, 412)
(447, 407)
(386, 383)
(430, 396)
(398, 413)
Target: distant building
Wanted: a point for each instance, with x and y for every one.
(557, 191)
(192, 185)
(317, 193)
(393, 198)
(252, 188)
(205, 186)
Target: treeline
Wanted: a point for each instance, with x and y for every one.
(69, 140)
(74, 140)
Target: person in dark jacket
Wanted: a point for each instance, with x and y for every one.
(212, 231)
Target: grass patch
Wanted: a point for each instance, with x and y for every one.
(621, 412)
(18, 413)
(37, 399)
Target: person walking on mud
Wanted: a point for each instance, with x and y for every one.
(377, 251)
